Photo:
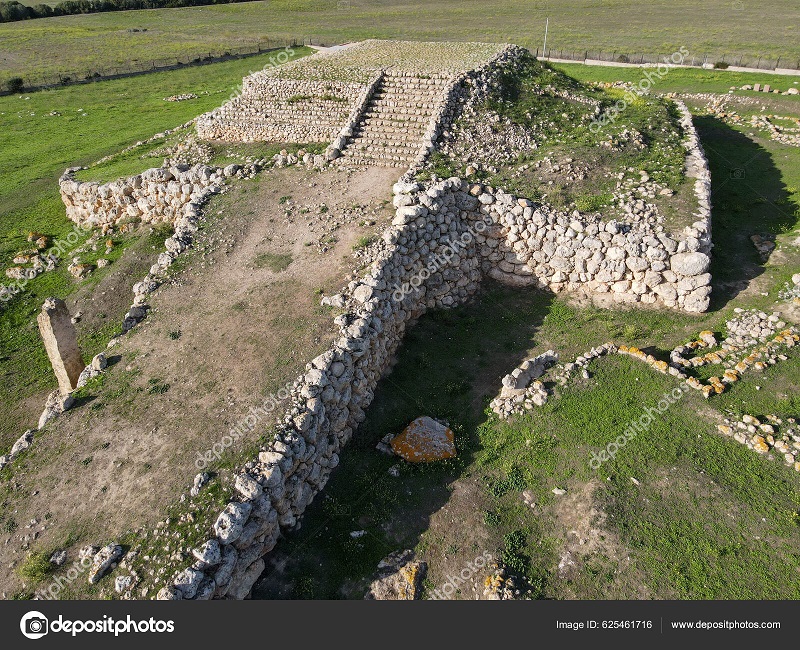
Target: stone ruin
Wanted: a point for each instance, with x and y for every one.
(375, 105)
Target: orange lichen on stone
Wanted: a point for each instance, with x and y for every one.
(730, 376)
(425, 440)
(694, 383)
(760, 445)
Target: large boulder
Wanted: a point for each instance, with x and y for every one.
(425, 440)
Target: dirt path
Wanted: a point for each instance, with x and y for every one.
(240, 321)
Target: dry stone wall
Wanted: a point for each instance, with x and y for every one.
(445, 237)
(154, 196)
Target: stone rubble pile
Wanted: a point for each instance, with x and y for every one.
(771, 436)
(22, 443)
(521, 388)
(501, 584)
(180, 98)
(480, 138)
(791, 291)
(399, 577)
(750, 327)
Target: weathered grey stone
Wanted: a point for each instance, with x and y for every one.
(690, 263)
(61, 342)
(230, 523)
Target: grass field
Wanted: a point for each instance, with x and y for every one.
(92, 121)
(83, 43)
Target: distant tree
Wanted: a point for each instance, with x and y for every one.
(43, 11)
(11, 11)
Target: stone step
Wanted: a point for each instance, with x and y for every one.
(385, 162)
(389, 149)
(388, 119)
(407, 130)
(400, 103)
(380, 137)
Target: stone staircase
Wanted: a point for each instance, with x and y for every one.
(390, 132)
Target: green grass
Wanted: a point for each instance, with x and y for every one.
(36, 567)
(273, 261)
(690, 80)
(82, 43)
(364, 241)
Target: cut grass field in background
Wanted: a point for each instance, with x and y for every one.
(86, 42)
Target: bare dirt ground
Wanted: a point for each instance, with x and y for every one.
(239, 322)
(585, 541)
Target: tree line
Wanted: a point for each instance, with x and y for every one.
(13, 11)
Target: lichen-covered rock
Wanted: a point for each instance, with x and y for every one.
(425, 440)
(399, 577)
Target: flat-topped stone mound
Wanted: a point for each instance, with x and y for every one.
(359, 61)
(329, 95)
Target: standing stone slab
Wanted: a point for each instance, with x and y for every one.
(61, 343)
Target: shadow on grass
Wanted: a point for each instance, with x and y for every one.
(748, 197)
(449, 366)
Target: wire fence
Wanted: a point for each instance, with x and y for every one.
(11, 85)
(16, 84)
(720, 61)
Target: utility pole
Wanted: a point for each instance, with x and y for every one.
(544, 48)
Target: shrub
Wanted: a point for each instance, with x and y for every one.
(720, 65)
(36, 567)
(364, 241)
(15, 84)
